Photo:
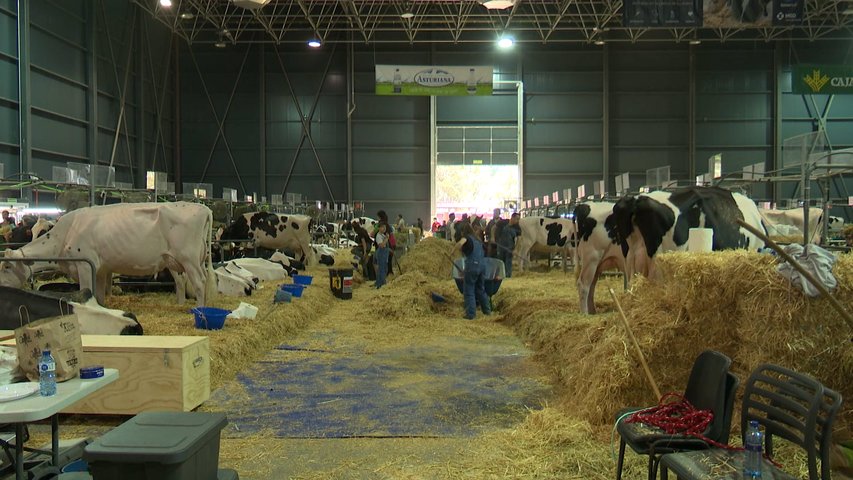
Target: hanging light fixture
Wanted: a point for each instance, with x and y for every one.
(506, 42)
(250, 4)
(497, 4)
(221, 43)
(315, 43)
(166, 3)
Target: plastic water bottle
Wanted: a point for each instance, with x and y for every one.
(47, 374)
(754, 441)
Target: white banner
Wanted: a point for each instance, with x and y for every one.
(432, 80)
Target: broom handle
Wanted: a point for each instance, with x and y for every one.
(651, 379)
(805, 273)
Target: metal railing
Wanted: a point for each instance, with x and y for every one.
(59, 259)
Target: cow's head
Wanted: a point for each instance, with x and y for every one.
(14, 274)
(98, 320)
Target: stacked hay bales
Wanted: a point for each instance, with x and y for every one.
(734, 302)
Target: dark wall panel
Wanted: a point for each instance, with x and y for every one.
(9, 120)
(58, 136)
(8, 79)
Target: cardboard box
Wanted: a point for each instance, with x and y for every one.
(170, 373)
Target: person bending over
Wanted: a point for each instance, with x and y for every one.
(474, 289)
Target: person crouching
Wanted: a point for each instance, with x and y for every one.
(474, 289)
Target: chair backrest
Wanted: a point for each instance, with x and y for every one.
(725, 422)
(707, 390)
(793, 406)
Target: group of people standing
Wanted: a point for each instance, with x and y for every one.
(496, 240)
(382, 240)
(10, 232)
(499, 235)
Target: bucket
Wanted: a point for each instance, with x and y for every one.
(303, 279)
(340, 281)
(209, 318)
(282, 296)
(293, 288)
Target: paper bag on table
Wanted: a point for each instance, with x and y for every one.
(60, 335)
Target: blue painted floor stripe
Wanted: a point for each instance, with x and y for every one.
(448, 388)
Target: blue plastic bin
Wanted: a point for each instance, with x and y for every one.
(294, 289)
(303, 279)
(209, 318)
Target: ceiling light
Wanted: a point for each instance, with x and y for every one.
(599, 42)
(497, 4)
(187, 16)
(166, 3)
(695, 41)
(506, 42)
(219, 44)
(250, 4)
(407, 14)
(314, 43)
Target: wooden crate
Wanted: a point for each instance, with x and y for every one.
(155, 373)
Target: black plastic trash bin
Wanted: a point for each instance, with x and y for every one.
(160, 446)
(340, 281)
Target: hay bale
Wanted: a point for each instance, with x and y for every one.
(733, 302)
(429, 257)
(241, 342)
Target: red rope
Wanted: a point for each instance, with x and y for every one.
(677, 416)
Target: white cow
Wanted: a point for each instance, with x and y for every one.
(790, 222)
(553, 233)
(597, 249)
(273, 231)
(94, 319)
(235, 281)
(135, 239)
(262, 269)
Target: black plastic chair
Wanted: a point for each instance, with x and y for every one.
(710, 387)
(788, 404)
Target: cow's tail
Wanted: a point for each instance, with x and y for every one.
(210, 279)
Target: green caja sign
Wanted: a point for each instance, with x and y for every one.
(822, 79)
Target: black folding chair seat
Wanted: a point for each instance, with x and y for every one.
(710, 387)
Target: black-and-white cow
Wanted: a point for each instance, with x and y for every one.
(556, 234)
(273, 231)
(94, 319)
(661, 221)
(597, 248)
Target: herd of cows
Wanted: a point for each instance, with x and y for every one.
(147, 238)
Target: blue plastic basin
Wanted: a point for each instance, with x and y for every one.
(209, 318)
(293, 288)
